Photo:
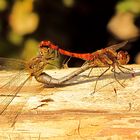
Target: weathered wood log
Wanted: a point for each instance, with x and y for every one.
(70, 111)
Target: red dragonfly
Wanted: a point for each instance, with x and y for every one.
(122, 57)
(104, 57)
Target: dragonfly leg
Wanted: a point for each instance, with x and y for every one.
(130, 71)
(98, 79)
(85, 63)
(113, 70)
(116, 77)
(90, 72)
(65, 63)
(87, 76)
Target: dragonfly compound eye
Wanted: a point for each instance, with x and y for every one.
(123, 57)
(45, 44)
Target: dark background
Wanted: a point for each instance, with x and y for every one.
(79, 28)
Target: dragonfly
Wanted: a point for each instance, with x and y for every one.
(34, 68)
(105, 57)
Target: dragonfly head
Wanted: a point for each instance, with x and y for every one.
(48, 50)
(123, 57)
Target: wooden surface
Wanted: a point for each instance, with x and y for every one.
(71, 112)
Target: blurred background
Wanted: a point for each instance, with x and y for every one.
(75, 25)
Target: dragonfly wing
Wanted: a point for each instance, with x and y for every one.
(12, 78)
(8, 93)
(117, 46)
(11, 64)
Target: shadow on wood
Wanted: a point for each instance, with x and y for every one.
(71, 112)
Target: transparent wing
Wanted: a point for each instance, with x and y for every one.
(11, 64)
(12, 79)
(118, 46)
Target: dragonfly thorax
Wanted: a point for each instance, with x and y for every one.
(36, 66)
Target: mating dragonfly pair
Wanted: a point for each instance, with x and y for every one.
(48, 51)
(105, 57)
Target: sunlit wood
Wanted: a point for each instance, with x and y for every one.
(70, 112)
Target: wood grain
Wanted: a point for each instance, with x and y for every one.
(70, 112)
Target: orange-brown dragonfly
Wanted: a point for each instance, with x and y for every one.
(104, 57)
(10, 89)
